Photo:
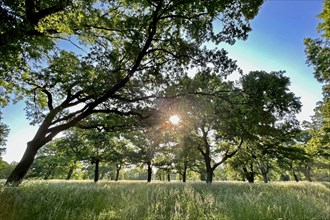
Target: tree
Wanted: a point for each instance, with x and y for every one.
(50, 162)
(269, 120)
(290, 159)
(209, 118)
(318, 148)
(103, 147)
(260, 158)
(74, 146)
(114, 151)
(186, 156)
(4, 131)
(270, 114)
(147, 144)
(224, 116)
(318, 56)
(164, 162)
(318, 50)
(246, 163)
(137, 47)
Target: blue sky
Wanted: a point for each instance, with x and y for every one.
(275, 43)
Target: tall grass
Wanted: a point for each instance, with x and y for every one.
(137, 200)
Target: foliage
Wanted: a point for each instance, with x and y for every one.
(4, 131)
(61, 158)
(219, 116)
(187, 158)
(209, 119)
(5, 169)
(22, 41)
(51, 162)
(125, 200)
(269, 121)
(318, 56)
(133, 50)
(146, 144)
(318, 147)
(318, 50)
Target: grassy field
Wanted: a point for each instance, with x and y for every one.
(136, 200)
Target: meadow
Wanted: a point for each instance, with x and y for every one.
(55, 199)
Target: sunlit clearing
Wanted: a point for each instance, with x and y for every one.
(174, 119)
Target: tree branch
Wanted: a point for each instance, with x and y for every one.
(227, 156)
(49, 97)
(117, 112)
(201, 150)
(34, 17)
(89, 108)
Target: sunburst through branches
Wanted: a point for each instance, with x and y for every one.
(175, 119)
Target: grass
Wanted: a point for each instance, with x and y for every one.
(139, 200)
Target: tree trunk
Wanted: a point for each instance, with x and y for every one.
(16, 176)
(184, 175)
(118, 168)
(249, 175)
(264, 169)
(209, 170)
(265, 177)
(209, 176)
(295, 177)
(96, 171)
(168, 176)
(149, 171)
(68, 177)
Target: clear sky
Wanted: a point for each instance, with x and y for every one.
(275, 43)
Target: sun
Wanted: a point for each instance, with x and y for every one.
(175, 119)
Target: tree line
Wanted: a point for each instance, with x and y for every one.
(229, 131)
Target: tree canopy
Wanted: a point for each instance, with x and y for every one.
(133, 50)
(4, 131)
(318, 56)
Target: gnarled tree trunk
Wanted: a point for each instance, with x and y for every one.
(42, 137)
(16, 176)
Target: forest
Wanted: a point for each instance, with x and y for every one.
(144, 94)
